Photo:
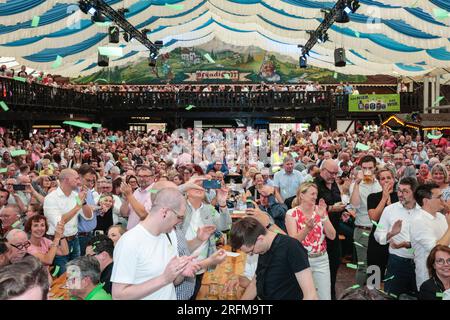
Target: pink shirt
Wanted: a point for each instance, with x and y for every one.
(143, 197)
(42, 249)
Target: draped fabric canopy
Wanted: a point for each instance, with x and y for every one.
(393, 37)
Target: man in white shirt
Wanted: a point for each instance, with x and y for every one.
(428, 228)
(145, 178)
(66, 204)
(287, 180)
(393, 228)
(359, 191)
(146, 262)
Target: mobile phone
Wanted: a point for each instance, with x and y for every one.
(97, 232)
(211, 184)
(250, 205)
(51, 178)
(19, 187)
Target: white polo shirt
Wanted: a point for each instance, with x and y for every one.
(425, 231)
(56, 204)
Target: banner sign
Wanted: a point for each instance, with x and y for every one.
(374, 103)
(217, 74)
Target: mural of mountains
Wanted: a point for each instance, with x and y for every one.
(217, 62)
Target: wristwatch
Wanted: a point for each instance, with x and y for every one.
(84, 203)
(269, 225)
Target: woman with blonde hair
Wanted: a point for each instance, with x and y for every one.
(309, 224)
(439, 175)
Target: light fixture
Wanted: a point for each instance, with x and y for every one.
(113, 32)
(323, 37)
(127, 37)
(85, 7)
(152, 57)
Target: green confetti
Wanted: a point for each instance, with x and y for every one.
(35, 21)
(177, 7)
(153, 190)
(15, 224)
(365, 234)
(439, 99)
(335, 75)
(226, 76)
(393, 295)
(356, 286)
(57, 63)
(358, 244)
(21, 79)
(3, 170)
(440, 14)
(390, 278)
(362, 147)
(376, 224)
(56, 271)
(357, 34)
(439, 294)
(352, 266)
(294, 154)
(189, 107)
(208, 57)
(4, 106)
(71, 249)
(78, 200)
(16, 153)
(277, 231)
(111, 51)
(360, 263)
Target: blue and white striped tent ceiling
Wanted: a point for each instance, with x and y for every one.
(394, 37)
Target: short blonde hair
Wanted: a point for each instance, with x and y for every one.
(440, 167)
(302, 189)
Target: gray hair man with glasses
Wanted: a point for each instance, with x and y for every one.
(18, 243)
(428, 228)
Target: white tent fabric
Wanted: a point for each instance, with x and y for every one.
(402, 37)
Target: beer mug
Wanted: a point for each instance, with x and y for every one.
(368, 176)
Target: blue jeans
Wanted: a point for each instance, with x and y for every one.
(83, 240)
(74, 252)
(404, 273)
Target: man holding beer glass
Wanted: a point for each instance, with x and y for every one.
(364, 184)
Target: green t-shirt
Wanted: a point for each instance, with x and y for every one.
(97, 294)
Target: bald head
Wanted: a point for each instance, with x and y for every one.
(67, 173)
(331, 165)
(161, 185)
(168, 198)
(16, 235)
(329, 171)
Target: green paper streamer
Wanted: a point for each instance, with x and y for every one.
(358, 244)
(111, 51)
(226, 76)
(16, 153)
(153, 190)
(208, 57)
(4, 106)
(96, 125)
(352, 266)
(356, 286)
(432, 136)
(439, 294)
(393, 295)
(15, 224)
(439, 99)
(357, 34)
(78, 124)
(78, 200)
(71, 249)
(390, 278)
(376, 224)
(335, 75)
(57, 63)
(177, 7)
(294, 154)
(189, 107)
(365, 234)
(20, 79)
(362, 147)
(3, 170)
(360, 263)
(56, 271)
(35, 21)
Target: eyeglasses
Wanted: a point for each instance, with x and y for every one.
(21, 246)
(438, 197)
(333, 173)
(146, 177)
(179, 217)
(442, 261)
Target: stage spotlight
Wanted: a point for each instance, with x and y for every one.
(158, 44)
(353, 5)
(322, 38)
(122, 11)
(152, 57)
(127, 37)
(85, 6)
(98, 17)
(303, 61)
(339, 57)
(113, 32)
(342, 16)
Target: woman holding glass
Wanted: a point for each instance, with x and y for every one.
(309, 224)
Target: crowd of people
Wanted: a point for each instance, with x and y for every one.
(128, 214)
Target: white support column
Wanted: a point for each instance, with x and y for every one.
(411, 86)
(438, 91)
(426, 86)
(433, 93)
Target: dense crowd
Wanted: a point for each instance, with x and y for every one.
(142, 215)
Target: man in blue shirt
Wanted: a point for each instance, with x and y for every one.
(218, 166)
(287, 180)
(86, 227)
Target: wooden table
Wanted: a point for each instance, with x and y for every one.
(58, 290)
(213, 283)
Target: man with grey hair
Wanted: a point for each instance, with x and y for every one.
(287, 180)
(146, 261)
(65, 203)
(17, 242)
(10, 218)
(83, 279)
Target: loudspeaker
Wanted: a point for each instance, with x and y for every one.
(103, 61)
(114, 33)
(339, 57)
(302, 62)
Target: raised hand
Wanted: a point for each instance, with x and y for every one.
(218, 257)
(174, 268)
(191, 269)
(126, 189)
(322, 208)
(396, 228)
(205, 232)
(310, 223)
(59, 230)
